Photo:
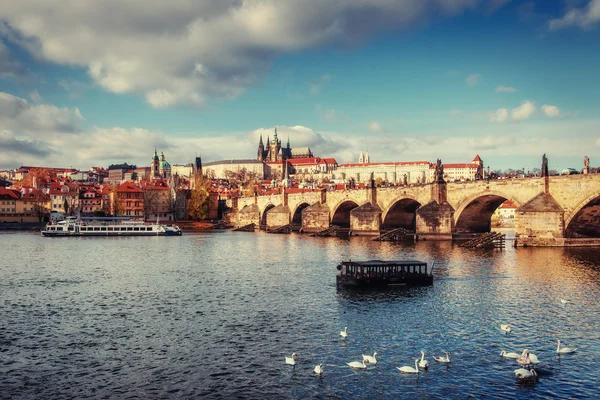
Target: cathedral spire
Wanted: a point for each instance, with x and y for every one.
(260, 142)
(275, 135)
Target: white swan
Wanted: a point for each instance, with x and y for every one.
(344, 333)
(410, 370)
(509, 355)
(564, 301)
(565, 350)
(357, 365)
(319, 369)
(525, 374)
(370, 359)
(533, 358)
(423, 363)
(442, 359)
(506, 328)
(291, 360)
(524, 359)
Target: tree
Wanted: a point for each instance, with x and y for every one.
(198, 202)
(150, 202)
(66, 207)
(39, 201)
(117, 205)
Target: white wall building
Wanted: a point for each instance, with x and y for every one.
(392, 172)
(218, 168)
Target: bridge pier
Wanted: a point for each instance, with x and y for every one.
(540, 222)
(278, 216)
(315, 218)
(435, 221)
(248, 215)
(366, 220)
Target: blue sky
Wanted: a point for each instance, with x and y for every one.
(406, 80)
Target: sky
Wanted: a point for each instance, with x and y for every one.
(91, 83)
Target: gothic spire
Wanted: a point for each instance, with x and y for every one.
(261, 142)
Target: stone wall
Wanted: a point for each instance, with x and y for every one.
(435, 221)
(278, 216)
(365, 220)
(249, 215)
(539, 228)
(315, 218)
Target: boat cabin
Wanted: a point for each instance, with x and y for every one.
(377, 273)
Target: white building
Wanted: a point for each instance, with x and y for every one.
(218, 168)
(392, 172)
(461, 172)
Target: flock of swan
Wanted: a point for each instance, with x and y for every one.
(527, 360)
(372, 360)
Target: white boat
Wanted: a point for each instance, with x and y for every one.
(72, 226)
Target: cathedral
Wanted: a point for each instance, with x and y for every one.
(160, 167)
(273, 152)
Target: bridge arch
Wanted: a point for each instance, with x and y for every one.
(402, 213)
(475, 212)
(263, 215)
(584, 220)
(297, 216)
(341, 213)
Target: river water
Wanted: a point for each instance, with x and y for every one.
(214, 315)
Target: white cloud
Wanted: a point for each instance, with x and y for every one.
(35, 96)
(375, 127)
(185, 52)
(17, 114)
(550, 111)
(584, 18)
(524, 111)
(316, 85)
(500, 115)
(505, 89)
(491, 142)
(473, 79)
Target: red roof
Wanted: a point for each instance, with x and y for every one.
(508, 204)
(330, 160)
(129, 187)
(474, 166)
(305, 160)
(6, 193)
(477, 158)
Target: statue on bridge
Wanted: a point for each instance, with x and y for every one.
(438, 176)
(405, 180)
(586, 165)
(544, 165)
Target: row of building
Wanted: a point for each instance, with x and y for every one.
(274, 162)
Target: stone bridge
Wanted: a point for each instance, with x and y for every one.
(552, 211)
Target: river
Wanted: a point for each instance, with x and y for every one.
(215, 314)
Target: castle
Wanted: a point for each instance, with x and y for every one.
(275, 153)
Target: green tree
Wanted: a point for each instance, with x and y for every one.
(198, 202)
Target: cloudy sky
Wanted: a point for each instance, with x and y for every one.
(90, 83)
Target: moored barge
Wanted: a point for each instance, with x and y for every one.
(377, 273)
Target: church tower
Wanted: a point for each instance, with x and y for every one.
(367, 158)
(261, 149)
(361, 158)
(155, 165)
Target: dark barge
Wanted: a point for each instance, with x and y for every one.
(377, 273)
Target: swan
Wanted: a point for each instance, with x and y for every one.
(319, 369)
(410, 370)
(506, 328)
(564, 350)
(525, 374)
(370, 359)
(533, 358)
(509, 355)
(344, 333)
(442, 359)
(357, 364)
(423, 363)
(524, 359)
(564, 301)
(291, 360)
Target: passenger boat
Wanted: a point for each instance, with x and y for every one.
(377, 273)
(72, 226)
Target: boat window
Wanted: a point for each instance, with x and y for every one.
(136, 229)
(103, 228)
